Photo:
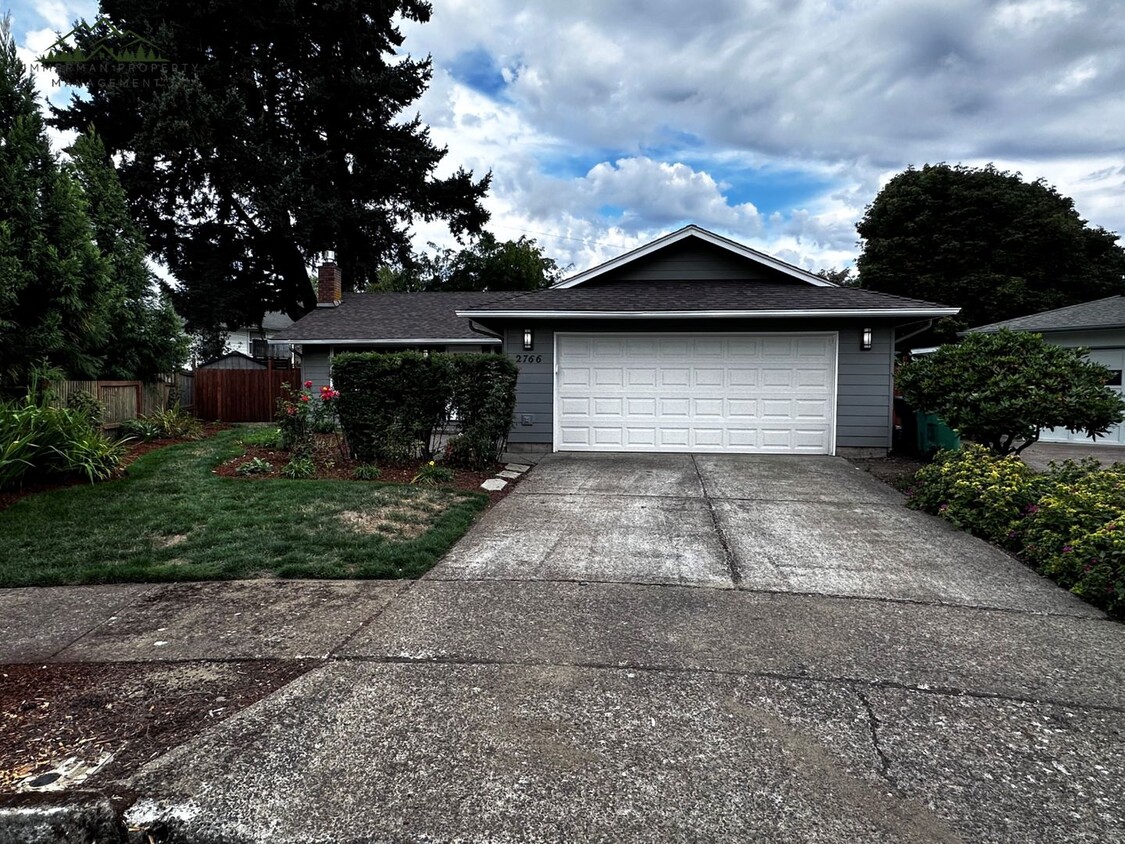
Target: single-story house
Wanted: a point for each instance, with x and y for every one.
(234, 360)
(1098, 326)
(691, 343)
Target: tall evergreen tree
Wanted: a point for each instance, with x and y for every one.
(147, 336)
(273, 134)
(54, 284)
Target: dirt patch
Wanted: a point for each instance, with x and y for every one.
(894, 471)
(132, 711)
(171, 541)
(391, 522)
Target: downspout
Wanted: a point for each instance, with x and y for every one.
(915, 333)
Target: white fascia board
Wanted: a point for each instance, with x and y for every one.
(706, 236)
(837, 312)
(424, 341)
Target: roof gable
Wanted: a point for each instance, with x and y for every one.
(693, 253)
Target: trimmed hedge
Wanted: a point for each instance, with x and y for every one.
(1068, 522)
(393, 406)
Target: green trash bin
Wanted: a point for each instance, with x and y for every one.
(934, 434)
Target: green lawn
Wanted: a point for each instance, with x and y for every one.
(171, 518)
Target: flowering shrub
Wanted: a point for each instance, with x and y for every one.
(977, 491)
(299, 416)
(1069, 522)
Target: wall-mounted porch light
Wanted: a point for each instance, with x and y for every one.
(527, 340)
(865, 343)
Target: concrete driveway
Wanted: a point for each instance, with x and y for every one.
(810, 525)
(639, 649)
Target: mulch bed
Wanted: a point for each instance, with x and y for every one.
(895, 471)
(135, 711)
(332, 463)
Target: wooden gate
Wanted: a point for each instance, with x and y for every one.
(241, 395)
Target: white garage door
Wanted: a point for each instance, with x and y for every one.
(773, 393)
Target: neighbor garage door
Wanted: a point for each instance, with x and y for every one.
(773, 393)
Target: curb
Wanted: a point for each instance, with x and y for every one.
(77, 817)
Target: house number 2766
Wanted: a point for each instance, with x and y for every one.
(529, 358)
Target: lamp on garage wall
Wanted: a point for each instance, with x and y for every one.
(868, 337)
(527, 344)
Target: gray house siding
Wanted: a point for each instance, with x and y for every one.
(691, 261)
(864, 378)
(316, 364)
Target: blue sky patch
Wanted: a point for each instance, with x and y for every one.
(477, 69)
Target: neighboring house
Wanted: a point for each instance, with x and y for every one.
(255, 341)
(692, 343)
(1098, 326)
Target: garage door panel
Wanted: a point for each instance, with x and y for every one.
(723, 392)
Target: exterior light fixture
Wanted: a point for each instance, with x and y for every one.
(527, 340)
(865, 343)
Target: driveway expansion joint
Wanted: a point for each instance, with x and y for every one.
(728, 553)
(854, 683)
(112, 615)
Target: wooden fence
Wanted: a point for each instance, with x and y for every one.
(131, 399)
(241, 395)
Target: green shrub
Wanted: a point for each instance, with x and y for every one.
(432, 474)
(976, 490)
(87, 404)
(299, 468)
(172, 424)
(1069, 522)
(141, 429)
(1002, 389)
(254, 466)
(262, 438)
(366, 472)
(483, 400)
(392, 406)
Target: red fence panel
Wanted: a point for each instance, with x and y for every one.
(241, 395)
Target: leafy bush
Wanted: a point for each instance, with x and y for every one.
(976, 490)
(262, 438)
(432, 474)
(1002, 389)
(254, 466)
(52, 441)
(393, 406)
(1069, 522)
(87, 404)
(366, 472)
(484, 399)
(299, 468)
(171, 424)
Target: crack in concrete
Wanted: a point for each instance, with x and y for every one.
(873, 728)
(728, 553)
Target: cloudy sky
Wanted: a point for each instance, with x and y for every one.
(606, 123)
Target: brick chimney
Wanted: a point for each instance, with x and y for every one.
(329, 287)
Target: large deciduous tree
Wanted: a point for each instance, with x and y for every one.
(273, 133)
(485, 264)
(1001, 390)
(987, 241)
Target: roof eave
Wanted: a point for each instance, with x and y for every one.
(405, 341)
(741, 314)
